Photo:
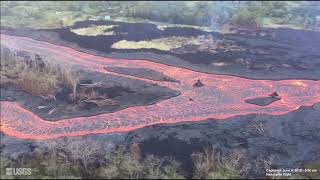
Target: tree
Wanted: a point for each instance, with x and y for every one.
(84, 150)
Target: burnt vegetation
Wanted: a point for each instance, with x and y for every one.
(42, 77)
(33, 74)
(77, 158)
(54, 92)
(86, 158)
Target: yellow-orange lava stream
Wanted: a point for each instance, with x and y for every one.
(222, 96)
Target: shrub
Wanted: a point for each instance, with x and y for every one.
(212, 165)
(129, 164)
(247, 20)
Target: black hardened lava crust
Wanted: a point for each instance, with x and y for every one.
(289, 140)
(126, 92)
(289, 54)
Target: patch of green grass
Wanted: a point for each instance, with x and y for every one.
(313, 166)
(94, 30)
(48, 20)
(160, 25)
(164, 44)
(38, 15)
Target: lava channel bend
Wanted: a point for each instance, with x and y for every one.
(223, 96)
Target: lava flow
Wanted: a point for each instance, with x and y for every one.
(222, 96)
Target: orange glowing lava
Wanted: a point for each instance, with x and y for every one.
(222, 96)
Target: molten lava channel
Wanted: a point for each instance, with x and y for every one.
(222, 96)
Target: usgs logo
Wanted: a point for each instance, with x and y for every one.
(18, 171)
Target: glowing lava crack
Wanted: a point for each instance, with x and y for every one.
(222, 97)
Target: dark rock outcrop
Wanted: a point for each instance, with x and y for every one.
(274, 94)
(264, 101)
(198, 84)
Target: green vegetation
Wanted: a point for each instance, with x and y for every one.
(313, 166)
(36, 15)
(46, 14)
(164, 44)
(246, 19)
(201, 43)
(56, 14)
(191, 13)
(253, 14)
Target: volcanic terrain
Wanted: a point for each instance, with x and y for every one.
(250, 91)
